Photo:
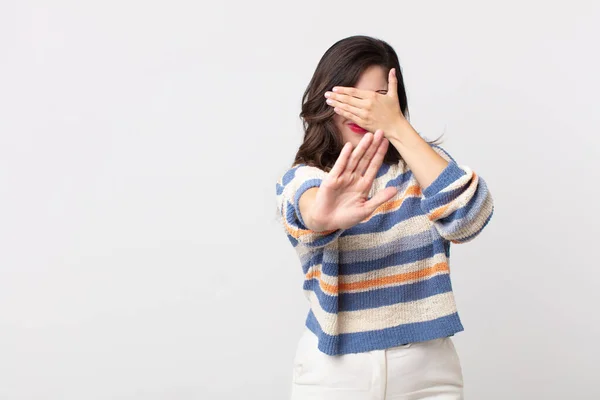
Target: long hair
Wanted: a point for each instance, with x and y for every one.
(342, 65)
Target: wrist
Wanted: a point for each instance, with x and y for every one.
(315, 224)
(400, 131)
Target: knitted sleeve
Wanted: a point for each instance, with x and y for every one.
(290, 187)
(458, 202)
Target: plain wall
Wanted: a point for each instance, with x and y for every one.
(140, 142)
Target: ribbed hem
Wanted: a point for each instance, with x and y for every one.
(385, 338)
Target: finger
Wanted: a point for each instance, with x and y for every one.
(354, 92)
(364, 162)
(358, 152)
(381, 197)
(352, 117)
(342, 161)
(351, 109)
(377, 160)
(346, 99)
(392, 83)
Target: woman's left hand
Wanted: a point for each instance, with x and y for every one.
(368, 109)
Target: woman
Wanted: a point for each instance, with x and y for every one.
(371, 209)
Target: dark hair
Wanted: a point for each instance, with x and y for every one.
(342, 65)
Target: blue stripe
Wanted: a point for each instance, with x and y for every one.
(384, 249)
(470, 210)
(448, 176)
(332, 265)
(312, 259)
(292, 218)
(384, 338)
(400, 179)
(383, 170)
(411, 207)
(473, 235)
(289, 175)
(380, 297)
(399, 258)
(292, 240)
(441, 199)
(279, 189)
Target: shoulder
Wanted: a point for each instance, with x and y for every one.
(301, 172)
(298, 178)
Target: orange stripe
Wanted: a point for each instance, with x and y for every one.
(438, 213)
(399, 278)
(294, 232)
(373, 283)
(325, 287)
(297, 232)
(412, 191)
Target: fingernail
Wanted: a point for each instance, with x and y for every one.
(329, 101)
(327, 94)
(335, 89)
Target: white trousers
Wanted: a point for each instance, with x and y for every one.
(426, 370)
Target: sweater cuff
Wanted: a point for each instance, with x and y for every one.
(449, 175)
(309, 184)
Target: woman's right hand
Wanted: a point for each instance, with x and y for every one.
(342, 200)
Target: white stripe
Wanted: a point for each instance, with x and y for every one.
(475, 225)
(461, 181)
(422, 310)
(411, 226)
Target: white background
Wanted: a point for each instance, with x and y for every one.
(140, 142)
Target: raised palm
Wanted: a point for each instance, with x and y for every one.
(342, 200)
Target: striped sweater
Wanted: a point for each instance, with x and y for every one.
(386, 281)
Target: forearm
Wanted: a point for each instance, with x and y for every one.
(425, 163)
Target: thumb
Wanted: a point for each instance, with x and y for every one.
(392, 83)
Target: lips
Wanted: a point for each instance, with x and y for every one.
(357, 129)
